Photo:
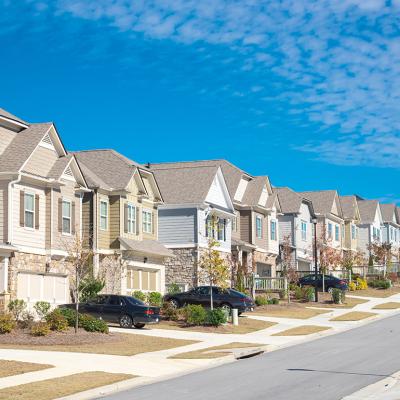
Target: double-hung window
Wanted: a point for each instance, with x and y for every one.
(259, 229)
(353, 232)
(303, 230)
(103, 215)
(273, 230)
(66, 216)
(337, 233)
(147, 216)
(29, 210)
(330, 230)
(131, 218)
(222, 229)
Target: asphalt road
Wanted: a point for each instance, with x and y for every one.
(328, 368)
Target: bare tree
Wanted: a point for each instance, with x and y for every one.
(380, 253)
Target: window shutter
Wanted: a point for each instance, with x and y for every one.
(73, 218)
(37, 215)
(22, 208)
(60, 215)
(126, 218)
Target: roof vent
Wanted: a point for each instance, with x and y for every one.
(68, 172)
(47, 142)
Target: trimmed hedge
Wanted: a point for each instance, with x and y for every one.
(7, 323)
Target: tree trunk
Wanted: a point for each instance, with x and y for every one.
(77, 303)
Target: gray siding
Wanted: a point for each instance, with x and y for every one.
(286, 227)
(177, 226)
(364, 238)
(245, 226)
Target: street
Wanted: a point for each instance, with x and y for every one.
(328, 368)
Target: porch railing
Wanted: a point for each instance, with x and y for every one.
(266, 284)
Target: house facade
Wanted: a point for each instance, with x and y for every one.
(296, 230)
(391, 229)
(41, 191)
(352, 218)
(120, 222)
(194, 195)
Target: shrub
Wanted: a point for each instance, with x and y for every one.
(40, 329)
(7, 323)
(361, 284)
(292, 286)
(57, 321)
(298, 293)
(26, 320)
(274, 300)
(69, 315)
(92, 324)
(42, 308)
(16, 308)
(308, 293)
(155, 299)
(380, 284)
(338, 296)
(194, 314)
(174, 288)
(169, 313)
(216, 317)
(90, 288)
(138, 294)
(261, 300)
(352, 286)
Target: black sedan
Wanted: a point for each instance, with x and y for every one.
(330, 281)
(125, 310)
(222, 298)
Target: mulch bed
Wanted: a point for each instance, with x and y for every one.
(23, 337)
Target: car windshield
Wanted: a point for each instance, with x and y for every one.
(134, 301)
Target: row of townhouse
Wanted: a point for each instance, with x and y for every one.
(148, 225)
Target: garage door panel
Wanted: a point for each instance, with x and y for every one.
(61, 289)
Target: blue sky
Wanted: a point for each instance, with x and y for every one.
(307, 92)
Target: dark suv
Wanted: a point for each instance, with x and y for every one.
(125, 310)
(330, 281)
(222, 298)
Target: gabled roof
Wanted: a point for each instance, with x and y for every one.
(367, 210)
(254, 189)
(349, 207)
(181, 184)
(59, 166)
(323, 201)
(22, 146)
(389, 213)
(291, 201)
(4, 113)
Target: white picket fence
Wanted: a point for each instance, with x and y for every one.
(266, 284)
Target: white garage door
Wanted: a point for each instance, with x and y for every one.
(39, 287)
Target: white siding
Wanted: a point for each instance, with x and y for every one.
(3, 210)
(304, 247)
(241, 189)
(273, 245)
(217, 195)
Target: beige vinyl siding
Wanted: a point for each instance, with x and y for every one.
(29, 237)
(236, 233)
(6, 136)
(260, 242)
(87, 218)
(132, 198)
(349, 243)
(48, 194)
(115, 221)
(153, 235)
(103, 235)
(3, 210)
(245, 226)
(41, 161)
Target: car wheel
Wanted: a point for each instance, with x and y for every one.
(174, 303)
(227, 307)
(138, 326)
(125, 321)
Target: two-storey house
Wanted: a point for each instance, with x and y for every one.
(370, 226)
(352, 218)
(391, 229)
(196, 206)
(296, 229)
(120, 219)
(41, 189)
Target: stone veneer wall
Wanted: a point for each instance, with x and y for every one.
(260, 257)
(182, 268)
(111, 270)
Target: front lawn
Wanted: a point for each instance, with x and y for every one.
(349, 302)
(302, 330)
(121, 344)
(55, 388)
(353, 316)
(246, 325)
(216, 351)
(371, 292)
(10, 368)
(391, 305)
(287, 311)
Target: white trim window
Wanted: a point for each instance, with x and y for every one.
(259, 230)
(147, 221)
(29, 210)
(66, 217)
(353, 232)
(131, 218)
(337, 233)
(103, 215)
(222, 229)
(330, 230)
(303, 230)
(273, 230)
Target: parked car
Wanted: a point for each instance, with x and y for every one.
(223, 298)
(331, 282)
(125, 310)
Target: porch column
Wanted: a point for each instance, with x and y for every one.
(4, 275)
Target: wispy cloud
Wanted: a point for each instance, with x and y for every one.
(339, 60)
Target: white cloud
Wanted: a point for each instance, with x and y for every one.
(340, 60)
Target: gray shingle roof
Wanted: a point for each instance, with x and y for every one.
(6, 114)
(388, 212)
(184, 184)
(254, 190)
(322, 200)
(367, 210)
(59, 166)
(22, 146)
(106, 168)
(146, 246)
(289, 200)
(349, 206)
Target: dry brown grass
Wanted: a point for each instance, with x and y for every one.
(353, 316)
(246, 325)
(50, 389)
(129, 345)
(383, 293)
(350, 302)
(391, 305)
(302, 330)
(215, 352)
(289, 312)
(10, 368)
